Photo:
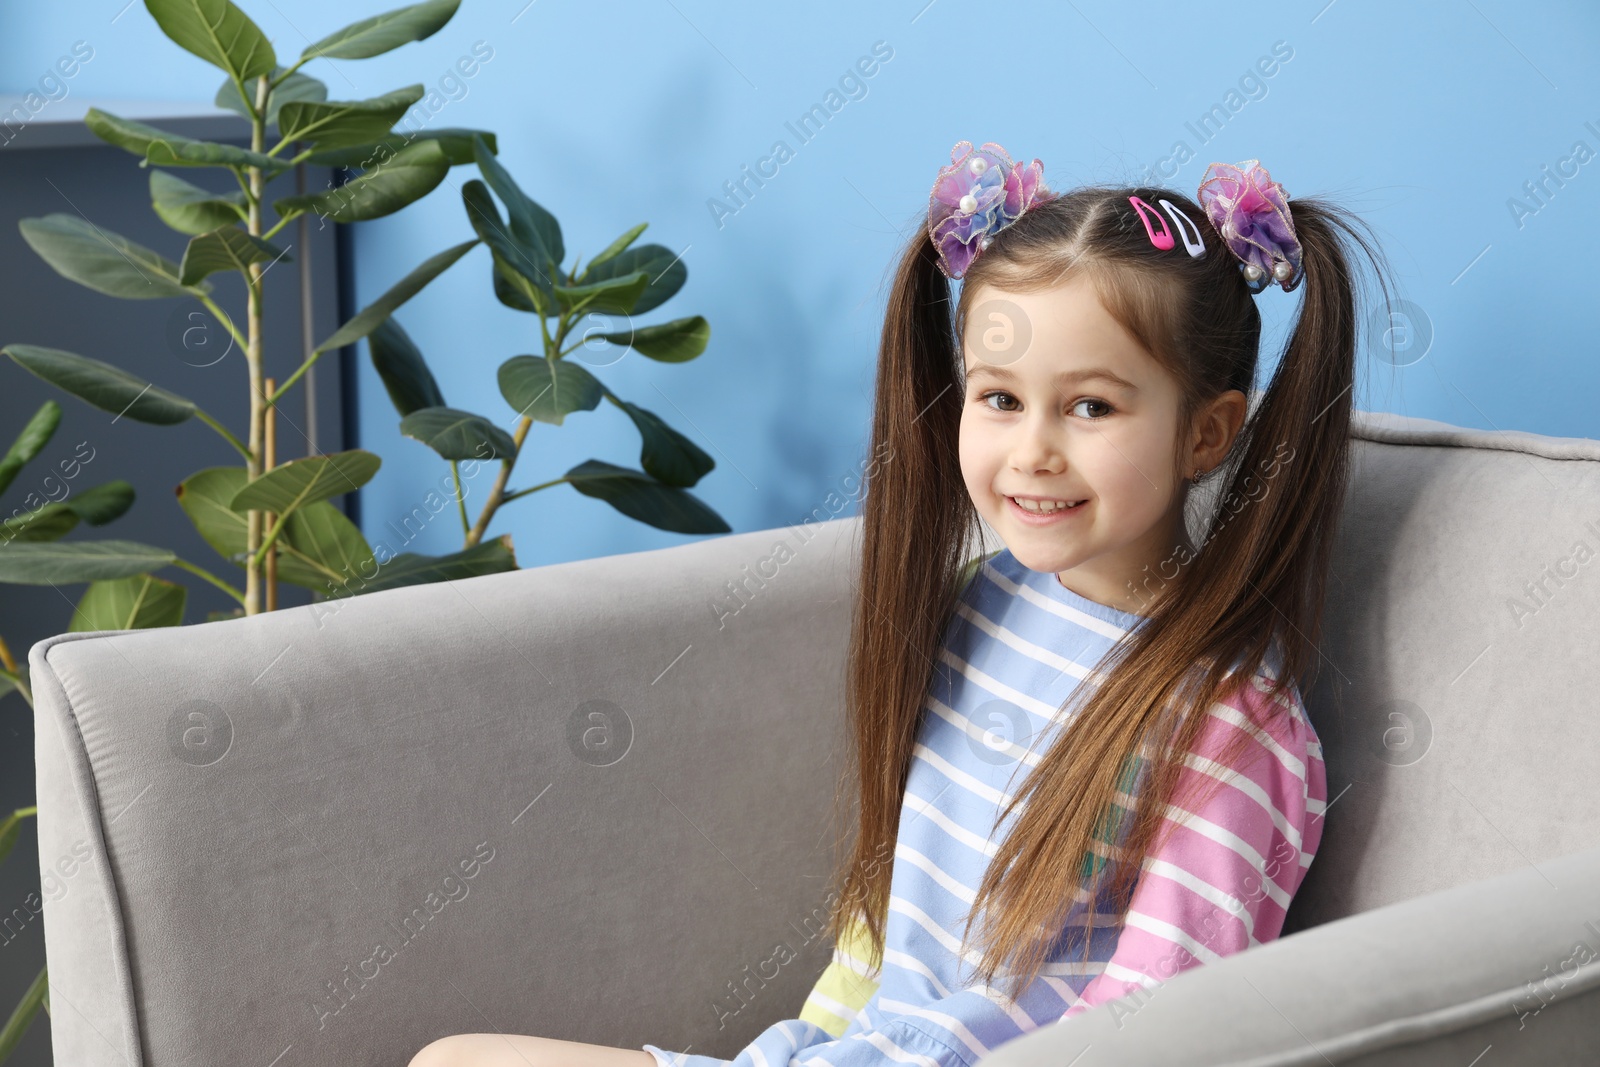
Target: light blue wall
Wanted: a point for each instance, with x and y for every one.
(1427, 118)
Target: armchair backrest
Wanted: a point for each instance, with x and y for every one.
(1455, 700)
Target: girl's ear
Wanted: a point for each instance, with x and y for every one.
(1215, 426)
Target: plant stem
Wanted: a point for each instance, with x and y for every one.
(280, 224)
(278, 392)
(461, 501)
(253, 355)
(211, 306)
(200, 414)
(277, 528)
(244, 184)
(509, 497)
(212, 578)
(497, 494)
(549, 345)
(302, 61)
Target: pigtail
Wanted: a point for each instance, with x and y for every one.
(1280, 544)
(917, 524)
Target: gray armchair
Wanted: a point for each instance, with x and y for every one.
(589, 801)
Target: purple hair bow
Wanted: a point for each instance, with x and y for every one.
(1251, 212)
(979, 194)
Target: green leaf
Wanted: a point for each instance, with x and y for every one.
(456, 434)
(297, 86)
(34, 436)
(512, 289)
(218, 33)
(665, 267)
(402, 369)
(321, 541)
(9, 830)
(371, 316)
(454, 141)
(99, 383)
(204, 497)
(666, 455)
(48, 522)
(104, 261)
(226, 248)
(37, 995)
(173, 150)
(317, 541)
(190, 209)
(677, 341)
(614, 296)
(305, 481)
(611, 250)
(547, 390)
(411, 174)
(533, 227)
(640, 497)
(382, 33)
(493, 556)
(139, 602)
(102, 503)
(56, 563)
(517, 269)
(54, 520)
(341, 123)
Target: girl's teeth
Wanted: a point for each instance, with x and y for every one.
(1042, 507)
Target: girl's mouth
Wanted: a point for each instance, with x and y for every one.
(1045, 512)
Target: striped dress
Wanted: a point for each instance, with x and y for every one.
(1221, 882)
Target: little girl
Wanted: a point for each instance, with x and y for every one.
(1144, 689)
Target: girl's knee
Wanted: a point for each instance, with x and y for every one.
(456, 1050)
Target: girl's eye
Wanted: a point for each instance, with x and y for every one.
(984, 399)
(1104, 408)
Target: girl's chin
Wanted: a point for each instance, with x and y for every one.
(1040, 558)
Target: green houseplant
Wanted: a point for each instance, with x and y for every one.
(619, 282)
(253, 510)
(279, 518)
(249, 511)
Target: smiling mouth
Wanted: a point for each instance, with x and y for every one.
(1044, 507)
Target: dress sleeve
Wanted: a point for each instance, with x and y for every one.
(846, 985)
(1223, 878)
(956, 1030)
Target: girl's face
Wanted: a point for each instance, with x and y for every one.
(1063, 405)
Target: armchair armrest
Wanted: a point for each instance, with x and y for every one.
(1511, 962)
(586, 801)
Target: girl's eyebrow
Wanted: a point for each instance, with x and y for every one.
(1065, 378)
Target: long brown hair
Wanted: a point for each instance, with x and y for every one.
(1259, 576)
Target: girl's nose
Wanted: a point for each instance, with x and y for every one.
(1036, 449)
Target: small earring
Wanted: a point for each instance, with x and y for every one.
(1195, 477)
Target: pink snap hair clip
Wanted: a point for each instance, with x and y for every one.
(1162, 240)
(1197, 248)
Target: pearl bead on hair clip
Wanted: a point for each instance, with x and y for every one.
(979, 194)
(1251, 212)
